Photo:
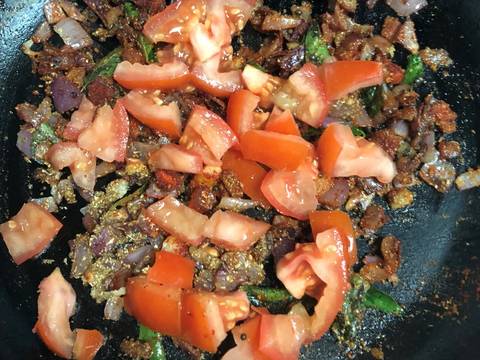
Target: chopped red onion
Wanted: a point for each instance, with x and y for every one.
(406, 7)
(468, 180)
(431, 154)
(138, 255)
(43, 33)
(53, 12)
(73, 34)
(236, 204)
(24, 142)
(71, 10)
(66, 95)
(113, 308)
(400, 128)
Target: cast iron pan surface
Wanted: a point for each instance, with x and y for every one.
(440, 272)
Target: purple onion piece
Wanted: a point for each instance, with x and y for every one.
(24, 142)
(137, 256)
(66, 95)
(73, 34)
(113, 308)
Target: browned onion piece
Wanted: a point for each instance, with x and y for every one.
(73, 34)
(406, 7)
(66, 95)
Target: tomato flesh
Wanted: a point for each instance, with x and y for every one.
(213, 130)
(201, 321)
(291, 193)
(29, 232)
(234, 231)
(192, 141)
(318, 269)
(56, 304)
(173, 24)
(171, 215)
(176, 158)
(233, 307)
(283, 123)
(344, 77)
(82, 163)
(208, 78)
(107, 137)
(321, 221)
(156, 306)
(241, 106)
(165, 119)
(248, 172)
(80, 120)
(87, 344)
(304, 94)
(172, 270)
(277, 151)
(340, 154)
(173, 75)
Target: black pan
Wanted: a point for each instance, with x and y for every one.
(440, 274)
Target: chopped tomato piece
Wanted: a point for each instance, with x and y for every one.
(172, 269)
(202, 322)
(208, 78)
(277, 151)
(192, 141)
(283, 123)
(248, 172)
(304, 94)
(344, 77)
(177, 158)
(239, 12)
(171, 215)
(216, 16)
(173, 75)
(29, 232)
(82, 163)
(163, 118)
(80, 120)
(319, 270)
(240, 111)
(87, 344)
(213, 130)
(246, 337)
(255, 80)
(341, 155)
(280, 336)
(292, 193)
(234, 307)
(56, 304)
(107, 137)
(174, 23)
(321, 221)
(155, 306)
(203, 42)
(234, 231)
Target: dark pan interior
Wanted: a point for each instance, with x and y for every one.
(440, 274)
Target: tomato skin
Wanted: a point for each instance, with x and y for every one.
(343, 77)
(282, 123)
(163, 118)
(277, 151)
(249, 173)
(202, 323)
(213, 130)
(205, 76)
(56, 304)
(29, 232)
(156, 306)
(340, 154)
(173, 24)
(309, 89)
(321, 221)
(172, 270)
(80, 120)
(291, 193)
(318, 269)
(171, 215)
(176, 158)
(82, 163)
(241, 106)
(173, 75)
(87, 344)
(107, 137)
(234, 231)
